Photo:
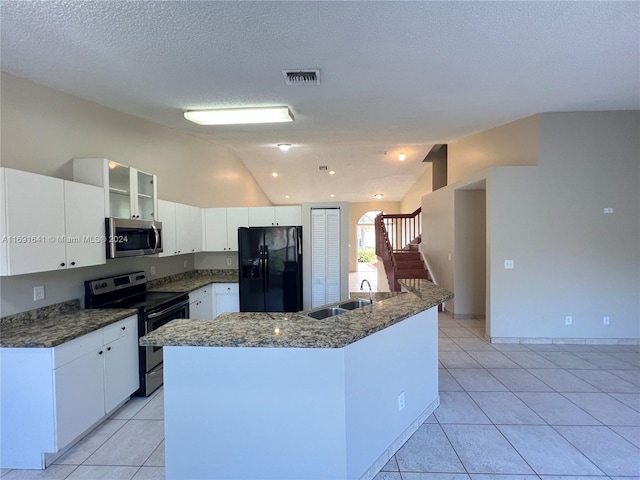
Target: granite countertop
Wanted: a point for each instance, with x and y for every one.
(295, 330)
(193, 280)
(54, 325)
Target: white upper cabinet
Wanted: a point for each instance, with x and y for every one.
(182, 229)
(49, 224)
(129, 192)
(272, 216)
(167, 215)
(221, 228)
(83, 207)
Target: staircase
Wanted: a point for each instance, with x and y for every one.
(398, 238)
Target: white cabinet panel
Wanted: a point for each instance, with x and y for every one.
(183, 228)
(215, 222)
(261, 216)
(201, 303)
(227, 298)
(84, 224)
(167, 215)
(196, 215)
(49, 224)
(288, 216)
(272, 216)
(221, 228)
(79, 395)
(236, 217)
(121, 365)
(34, 223)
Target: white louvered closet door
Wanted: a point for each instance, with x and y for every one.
(325, 256)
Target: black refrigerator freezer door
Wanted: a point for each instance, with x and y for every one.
(252, 279)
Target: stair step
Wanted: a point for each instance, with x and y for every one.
(404, 272)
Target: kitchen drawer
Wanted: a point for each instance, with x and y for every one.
(76, 348)
(227, 288)
(200, 293)
(120, 329)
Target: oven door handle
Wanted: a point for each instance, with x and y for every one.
(168, 310)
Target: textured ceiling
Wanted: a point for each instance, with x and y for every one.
(395, 76)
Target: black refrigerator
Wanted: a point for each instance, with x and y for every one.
(270, 261)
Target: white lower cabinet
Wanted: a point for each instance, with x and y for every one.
(57, 394)
(227, 298)
(202, 304)
(121, 377)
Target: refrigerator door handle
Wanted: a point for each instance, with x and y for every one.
(266, 268)
(261, 267)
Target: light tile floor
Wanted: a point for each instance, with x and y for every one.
(508, 412)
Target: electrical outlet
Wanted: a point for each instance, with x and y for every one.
(608, 210)
(228, 261)
(38, 293)
(568, 320)
(605, 320)
(400, 401)
(449, 256)
(185, 264)
(152, 269)
(508, 264)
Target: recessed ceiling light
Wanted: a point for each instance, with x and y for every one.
(286, 196)
(332, 195)
(402, 156)
(378, 196)
(284, 146)
(274, 174)
(237, 116)
(332, 172)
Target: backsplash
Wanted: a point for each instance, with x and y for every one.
(225, 275)
(40, 313)
(16, 292)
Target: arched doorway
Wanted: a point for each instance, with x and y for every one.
(366, 244)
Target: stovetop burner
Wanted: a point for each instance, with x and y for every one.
(147, 301)
(128, 291)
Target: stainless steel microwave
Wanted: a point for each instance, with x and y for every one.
(132, 238)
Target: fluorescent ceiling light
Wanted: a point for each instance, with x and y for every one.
(237, 116)
(284, 146)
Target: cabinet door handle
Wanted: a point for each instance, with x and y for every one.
(124, 328)
(100, 352)
(73, 263)
(62, 264)
(108, 349)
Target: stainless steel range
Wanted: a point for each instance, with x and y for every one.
(154, 310)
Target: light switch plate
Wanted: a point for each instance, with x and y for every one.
(508, 264)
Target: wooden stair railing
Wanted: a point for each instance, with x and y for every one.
(397, 240)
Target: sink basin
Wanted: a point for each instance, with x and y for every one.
(353, 304)
(326, 312)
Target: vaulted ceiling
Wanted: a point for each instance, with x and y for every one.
(394, 76)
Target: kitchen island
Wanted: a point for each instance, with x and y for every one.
(285, 396)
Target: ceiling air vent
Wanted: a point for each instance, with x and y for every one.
(302, 77)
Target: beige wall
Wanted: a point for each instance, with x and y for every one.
(356, 210)
(570, 258)
(424, 185)
(514, 143)
(42, 129)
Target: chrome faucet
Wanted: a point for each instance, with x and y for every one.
(370, 292)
